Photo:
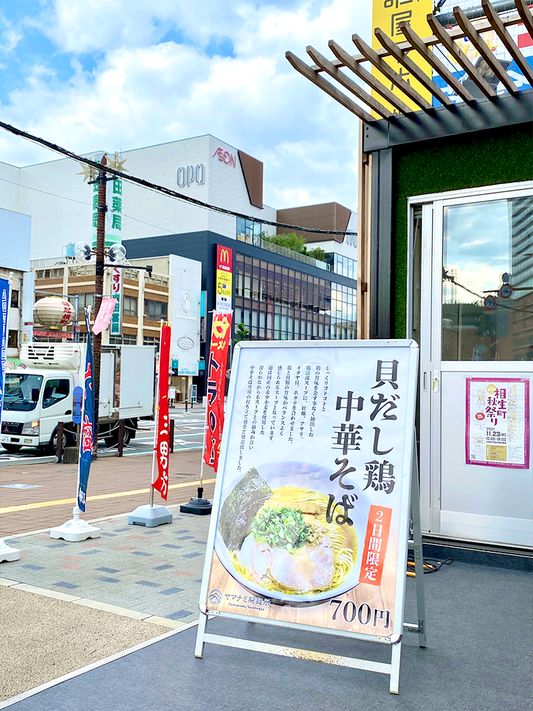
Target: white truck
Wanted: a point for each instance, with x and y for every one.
(39, 393)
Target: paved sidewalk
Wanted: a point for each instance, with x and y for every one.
(69, 604)
(36, 496)
(152, 571)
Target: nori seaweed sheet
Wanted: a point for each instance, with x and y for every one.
(240, 508)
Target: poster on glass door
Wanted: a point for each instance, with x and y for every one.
(497, 422)
(310, 515)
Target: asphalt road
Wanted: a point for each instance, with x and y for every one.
(188, 435)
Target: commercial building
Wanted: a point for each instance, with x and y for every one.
(15, 237)
(275, 292)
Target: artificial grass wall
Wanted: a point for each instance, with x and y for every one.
(467, 161)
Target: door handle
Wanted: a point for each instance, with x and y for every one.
(425, 381)
(435, 381)
(68, 412)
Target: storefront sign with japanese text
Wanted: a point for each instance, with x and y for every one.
(116, 292)
(388, 16)
(162, 441)
(216, 386)
(497, 422)
(310, 517)
(224, 279)
(113, 227)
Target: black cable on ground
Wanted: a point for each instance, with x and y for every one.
(431, 565)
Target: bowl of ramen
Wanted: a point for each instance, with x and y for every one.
(275, 537)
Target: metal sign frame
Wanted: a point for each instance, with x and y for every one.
(410, 512)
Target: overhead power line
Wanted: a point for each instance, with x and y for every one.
(160, 188)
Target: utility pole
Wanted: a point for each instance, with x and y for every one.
(101, 178)
(99, 291)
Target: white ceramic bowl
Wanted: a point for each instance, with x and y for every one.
(309, 476)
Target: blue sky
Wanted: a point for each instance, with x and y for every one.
(121, 74)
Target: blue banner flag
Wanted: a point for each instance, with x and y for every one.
(4, 318)
(87, 425)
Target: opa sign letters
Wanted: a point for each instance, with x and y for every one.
(187, 175)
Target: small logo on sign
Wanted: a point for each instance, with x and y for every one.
(225, 157)
(480, 416)
(215, 597)
(186, 303)
(185, 343)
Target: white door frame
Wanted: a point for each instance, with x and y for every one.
(431, 365)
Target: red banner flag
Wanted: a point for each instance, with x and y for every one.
(216, 382)
(162, 444)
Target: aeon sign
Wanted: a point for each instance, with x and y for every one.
(225, 157)
(187, 175)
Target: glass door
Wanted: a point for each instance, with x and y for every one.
(476, 340)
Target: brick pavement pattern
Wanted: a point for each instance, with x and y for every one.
(122, 483)
(156, 571)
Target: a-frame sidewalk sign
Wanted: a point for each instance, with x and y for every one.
(316, 501)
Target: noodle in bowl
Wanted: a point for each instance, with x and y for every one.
(286, 550)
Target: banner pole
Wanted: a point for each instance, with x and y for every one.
(77, 529)
(201, 487)
(153, 515)
(156, 428)
(199, 505)
(7, 553)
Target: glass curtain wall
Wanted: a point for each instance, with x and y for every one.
(278, 303)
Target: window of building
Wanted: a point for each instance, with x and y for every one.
(156, 310)
(13, 339)
(14, 298)
(85, 300)
(151, 341)
(130, 306)
(287, 304)
(126, 340)
(249, 231)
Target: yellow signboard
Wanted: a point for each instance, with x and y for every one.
(387, 15)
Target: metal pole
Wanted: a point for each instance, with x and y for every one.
(120, 445)
(59, 442)
(171, 433)
(156, 428)
(99, 290)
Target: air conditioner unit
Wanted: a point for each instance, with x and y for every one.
(66, 356)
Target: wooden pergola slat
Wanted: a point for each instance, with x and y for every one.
(488, 66)
(418, 44)
(482, 25)
(348, 61)
(313, 76)
(507, 40)
(413, 68)
(345, 81)
(393, 76)
(484, 51)
(460, 56)
(525, 15)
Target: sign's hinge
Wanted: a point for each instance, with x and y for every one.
(419, 629)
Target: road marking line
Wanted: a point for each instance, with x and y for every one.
(63, 502)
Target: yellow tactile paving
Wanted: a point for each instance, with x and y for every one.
(63, 502)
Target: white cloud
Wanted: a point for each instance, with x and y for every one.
(141, 93)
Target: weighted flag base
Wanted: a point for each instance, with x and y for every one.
(150, 516)
(200, 507)
(75, 530)
(7, 553)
